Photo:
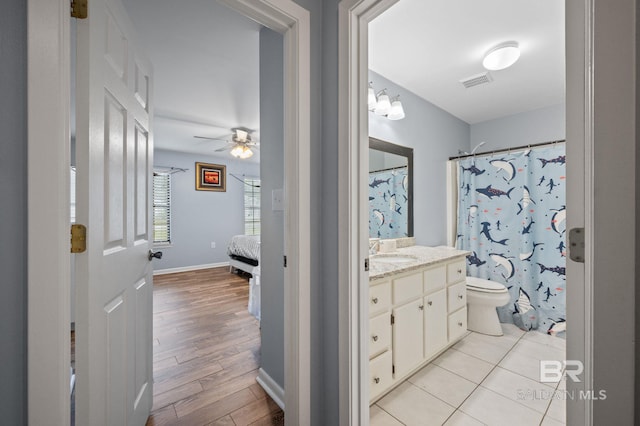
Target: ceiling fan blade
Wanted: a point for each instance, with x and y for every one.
(211, 139)
(221, 149)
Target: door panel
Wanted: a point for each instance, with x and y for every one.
(114, 149)
(407, 337)
(435, 322)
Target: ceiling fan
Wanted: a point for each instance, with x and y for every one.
(241, 143)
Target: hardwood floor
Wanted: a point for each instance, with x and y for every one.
(207, 353)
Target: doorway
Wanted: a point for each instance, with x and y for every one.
(46, 373)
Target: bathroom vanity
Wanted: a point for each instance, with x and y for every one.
(417, 309)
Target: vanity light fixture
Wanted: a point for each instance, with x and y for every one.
(382, 105)
(501, 56)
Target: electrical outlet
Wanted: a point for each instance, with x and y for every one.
(213, 245)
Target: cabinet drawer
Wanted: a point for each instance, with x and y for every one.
(379, 334)
(407, 287)
(457, 324)
(456, 296)
(435, 279)
(456, 271)
(379, 298)
(380, 376)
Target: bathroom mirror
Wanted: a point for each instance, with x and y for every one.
(390, 190)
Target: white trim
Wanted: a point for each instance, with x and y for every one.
(49, 271)
(189, 268)
(271, 387)
(48, 362)
(354, 16)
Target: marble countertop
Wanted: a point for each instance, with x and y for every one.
(424, 256)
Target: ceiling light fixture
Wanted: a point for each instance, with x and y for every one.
(382, 105)
(501, 56)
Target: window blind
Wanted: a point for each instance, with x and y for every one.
(251, 206)
(161, 208)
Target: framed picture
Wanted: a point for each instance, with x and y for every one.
(211, 177)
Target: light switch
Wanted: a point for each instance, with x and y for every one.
(277, 200)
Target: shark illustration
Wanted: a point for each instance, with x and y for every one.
(561, 247)
(558, 217)
(551, 185)
(523, 304)
(379, 215)
(467, 188)
(557, 326)
(475, 260)
(493, 192)
(548, 294)
(371, 198)
(558, 160)
(503, 261)
(539, 286)
(405, 182)
(560, 270)
(527, 229)
(377, 182)
(528, 256)
(487, 234)
(498, 225)
(508, 167)
(474, 170)
(526, 200)
(473, 209)
(405, 198)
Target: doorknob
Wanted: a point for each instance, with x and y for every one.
(157, 255)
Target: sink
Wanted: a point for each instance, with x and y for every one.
(396, 259)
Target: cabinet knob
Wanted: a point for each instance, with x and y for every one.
(430, 302)
(375, 338)
(459, 324)
(460, 297)
(376, 379)
(459, 271)
(421, 307)
(374, 300)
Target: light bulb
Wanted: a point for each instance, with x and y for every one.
(384, 104)
(396, 112)
(371, 98)
(237, 151)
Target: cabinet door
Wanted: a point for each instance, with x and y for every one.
(407, 337)
(435, 322)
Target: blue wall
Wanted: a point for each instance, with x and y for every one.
(13, 212)
(199, 218)
(540, 125)
(435, 135)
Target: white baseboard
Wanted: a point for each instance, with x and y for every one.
(270, 386)
(190, 268)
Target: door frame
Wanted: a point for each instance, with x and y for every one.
(48, 61)
(354, 17)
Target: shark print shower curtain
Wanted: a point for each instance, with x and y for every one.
(511, 216)
(388, 203)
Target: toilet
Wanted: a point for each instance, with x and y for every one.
(483, 297)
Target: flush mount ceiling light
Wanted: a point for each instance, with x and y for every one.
(382, 105)
(501, 56)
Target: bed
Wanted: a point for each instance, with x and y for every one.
(244, 255)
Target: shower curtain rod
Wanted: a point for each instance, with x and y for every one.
(389, 169)
(517, 148)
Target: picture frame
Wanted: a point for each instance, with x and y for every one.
(211, 177)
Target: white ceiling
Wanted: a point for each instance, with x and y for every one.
(427, 47)
(206, 60)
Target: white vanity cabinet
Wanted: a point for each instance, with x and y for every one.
(416, 316)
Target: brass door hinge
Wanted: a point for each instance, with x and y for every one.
(79, 9)
(78, 238)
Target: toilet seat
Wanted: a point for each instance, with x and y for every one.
(484, 286)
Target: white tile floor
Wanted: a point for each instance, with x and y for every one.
(481, 380)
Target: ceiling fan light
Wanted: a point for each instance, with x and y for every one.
(371, 98)
(384, 104)
(246, 153)
(397, 111)
(237, 151)
(502, 56)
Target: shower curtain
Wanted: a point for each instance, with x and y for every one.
(388, 203)
(511, 216)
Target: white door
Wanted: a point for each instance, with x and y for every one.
(435, 322)
(407, 337)
(114, 172)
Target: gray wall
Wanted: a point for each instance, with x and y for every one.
(13, 211)
(435, 135)
(271, 222)
(540, 125)
(199, 218)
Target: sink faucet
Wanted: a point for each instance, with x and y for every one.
(374, 245)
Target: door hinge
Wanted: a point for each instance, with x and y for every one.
(393, 319)
(78, 238)
(366, 264)
(393, 369)
(79, 9)
(576, 244)
(285, 261)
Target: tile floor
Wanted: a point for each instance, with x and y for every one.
(481, 380)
